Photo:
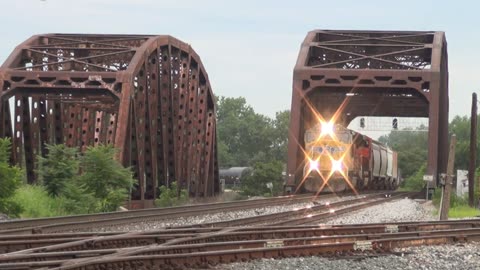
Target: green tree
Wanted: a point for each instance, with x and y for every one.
(225, 157)
(281, 127)
(411, 146)
(263, 173)
(231, 121)
(245, 137)
(59, 172)
(238, 128)
(105, 177)
(59, 167)
(10, 181)
(415, 181)
(460, 126)
(5, 146)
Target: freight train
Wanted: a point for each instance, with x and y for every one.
(340, 159)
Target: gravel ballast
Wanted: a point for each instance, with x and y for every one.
(455, 257)
(3, 217)
(398, 210)
(432, 257)
(395, 211)
(215, 217)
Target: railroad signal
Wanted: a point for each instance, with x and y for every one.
(395, 123)
(362, 122)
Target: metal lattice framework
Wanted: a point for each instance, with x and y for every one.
(147, 95)
(346, 74)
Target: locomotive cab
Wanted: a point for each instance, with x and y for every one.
(329, 158)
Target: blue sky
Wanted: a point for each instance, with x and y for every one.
(249, 48)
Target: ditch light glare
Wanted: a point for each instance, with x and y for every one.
(313, 165)
(336, 165)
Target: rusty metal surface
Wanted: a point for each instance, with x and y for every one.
(310, 215)
(172, 248)
(85, 222)
(30, 244)
(346, 74)
(147, 95)
(306, 215)
(298, 216)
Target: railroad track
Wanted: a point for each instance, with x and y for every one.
(273, 235)
(315, 213)
(82, 241)
(206, 247)
(69, 223)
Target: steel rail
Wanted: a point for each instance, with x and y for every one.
(135, 239)
(54, 224)
(195, 255)
(313, 218)
(300, 213)
(85, 241)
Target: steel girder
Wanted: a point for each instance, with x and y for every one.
(149, 96)
(346, 74)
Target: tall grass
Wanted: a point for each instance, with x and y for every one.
(168, 196)
(463, 211)
(458, 205)
(36, 202)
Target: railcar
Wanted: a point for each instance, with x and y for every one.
(340, 159)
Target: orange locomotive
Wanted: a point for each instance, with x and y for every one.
(339, 159)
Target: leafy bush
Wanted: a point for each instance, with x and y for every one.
(77, 200)
(415, 182)
(58, 168)
(458, 205)
(105, 177)
(5, 146)
(103, 185)
(455, 201)
(255, 184)
(36, 202)
(10, 181)
(168, 196)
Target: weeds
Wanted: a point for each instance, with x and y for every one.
(168, 196)
(37, 203)
(458, 205)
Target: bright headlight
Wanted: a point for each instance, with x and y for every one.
(313, 165)
(337, 165)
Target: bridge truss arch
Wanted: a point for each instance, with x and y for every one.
(344, 74)
(149, 96)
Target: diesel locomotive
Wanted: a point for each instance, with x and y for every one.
(340, 159)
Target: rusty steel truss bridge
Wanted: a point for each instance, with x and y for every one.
(348, 74)
(149, 96)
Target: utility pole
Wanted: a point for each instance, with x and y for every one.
(447, 185)
(473, 152)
